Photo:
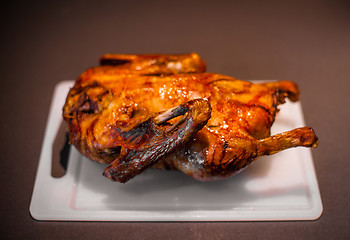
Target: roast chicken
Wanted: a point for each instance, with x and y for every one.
(165, 111)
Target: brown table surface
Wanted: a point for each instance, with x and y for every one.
(43, 43)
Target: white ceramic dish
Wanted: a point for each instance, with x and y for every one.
(278, 187)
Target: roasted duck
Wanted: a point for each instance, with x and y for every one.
(165, 111)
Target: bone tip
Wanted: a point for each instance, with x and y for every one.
(315, 143)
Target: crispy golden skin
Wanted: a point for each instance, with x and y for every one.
(164, 111)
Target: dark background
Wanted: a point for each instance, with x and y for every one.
(43, 43)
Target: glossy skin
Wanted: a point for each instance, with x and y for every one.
(120, 115)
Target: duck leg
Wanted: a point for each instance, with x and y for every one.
(304, 137)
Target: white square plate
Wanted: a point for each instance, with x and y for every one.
(278, 187)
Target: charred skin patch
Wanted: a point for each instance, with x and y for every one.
(113, 62)
(89, 99)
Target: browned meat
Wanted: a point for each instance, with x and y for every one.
(164, 111)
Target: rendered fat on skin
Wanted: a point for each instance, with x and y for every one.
(165, 111)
